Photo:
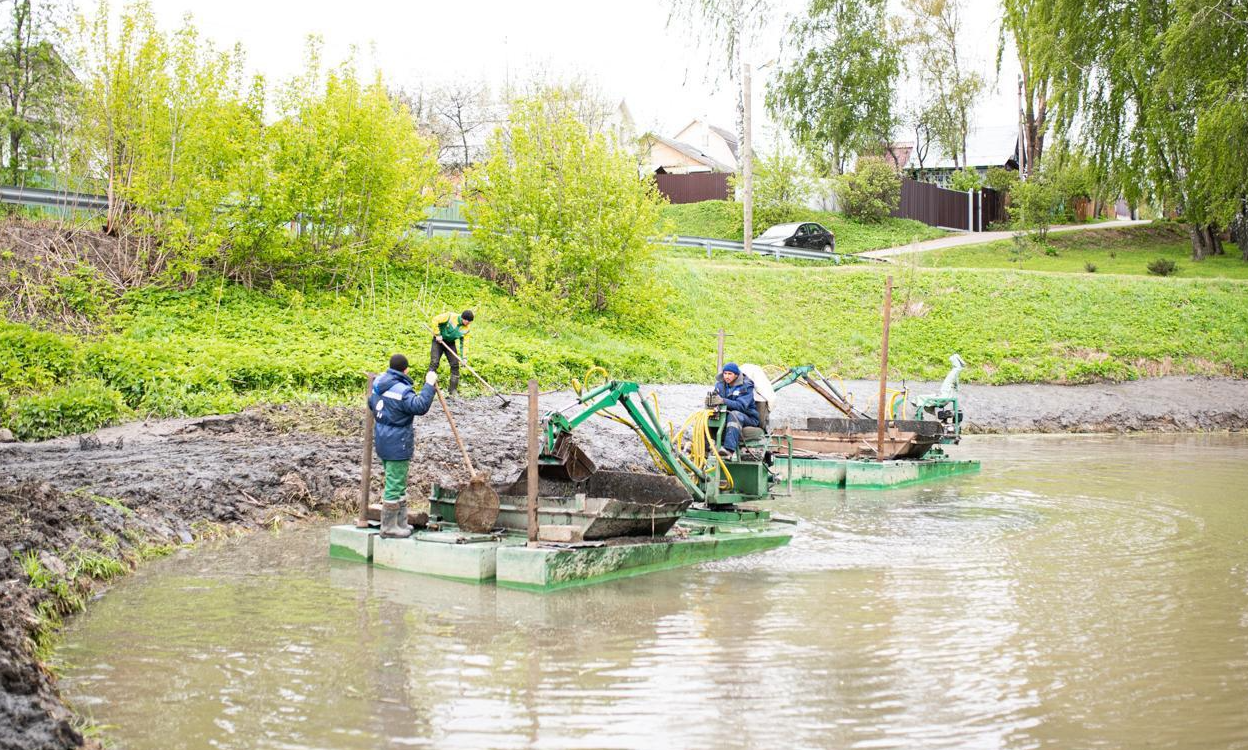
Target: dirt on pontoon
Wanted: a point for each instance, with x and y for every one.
(122, 490)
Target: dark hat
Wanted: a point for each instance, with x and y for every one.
(732, 368)
(398, 362)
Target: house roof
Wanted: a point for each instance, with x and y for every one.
(693, 153)
(729, 138)
(986, 146)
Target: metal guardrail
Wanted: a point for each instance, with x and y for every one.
(446, 227)
(432, 227)
(27, 196)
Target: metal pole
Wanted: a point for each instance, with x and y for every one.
(747, 157)
(532, 472)
(366, 462)
(888, 310)
(719, 352)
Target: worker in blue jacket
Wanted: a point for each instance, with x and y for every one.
(737, 393)
(394, 403)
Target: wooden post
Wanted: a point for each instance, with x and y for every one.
(532, 473)
(719, 353)
(366, 462)
(888, 310)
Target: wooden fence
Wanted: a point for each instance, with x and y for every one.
(694, 187)
(950, 209)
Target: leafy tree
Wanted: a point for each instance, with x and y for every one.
(934, 34)
(836, 97)
(780, 180)
(1027, 22)
(1156, 91)
(871, 192)
(34, 84)
(1034, 205)
(168, 120)
(560, 217)
(350, 162)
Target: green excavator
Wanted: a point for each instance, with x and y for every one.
(718, 485)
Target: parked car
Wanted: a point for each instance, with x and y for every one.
(808, 235)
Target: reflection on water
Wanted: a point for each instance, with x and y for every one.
(1080, 591)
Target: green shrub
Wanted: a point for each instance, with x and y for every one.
(871, 193)
(965, 179)
(1001, 179)
(1089, 266)
(563, 222)
(1034, 204)
(32, 359)
(1162, 267)
(67, 410)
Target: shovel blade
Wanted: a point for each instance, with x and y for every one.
(566, 462)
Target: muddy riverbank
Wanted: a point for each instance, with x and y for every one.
(129, 491)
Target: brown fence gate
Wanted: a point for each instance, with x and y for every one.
(950, 209)
(694, 187)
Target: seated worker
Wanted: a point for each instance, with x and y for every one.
(451, 328)
(737, 392)
(394, 403)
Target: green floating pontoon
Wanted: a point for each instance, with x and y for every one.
(506, 559)
(851, 452)
(851, 473)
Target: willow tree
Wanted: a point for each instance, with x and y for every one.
(1155, 91)
(835, 97)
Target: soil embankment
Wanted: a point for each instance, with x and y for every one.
(114, 495)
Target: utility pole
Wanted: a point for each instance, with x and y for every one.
(747, 156)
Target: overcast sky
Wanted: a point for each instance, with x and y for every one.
(626, 46)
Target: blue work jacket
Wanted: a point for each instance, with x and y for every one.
(394, 403)
(739, 396)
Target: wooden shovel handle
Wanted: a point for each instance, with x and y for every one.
(455, 432)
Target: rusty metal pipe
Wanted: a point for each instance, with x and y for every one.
(888, 311)
(532, 471)
(366, 462)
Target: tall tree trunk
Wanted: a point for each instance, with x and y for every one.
(1197, 234)
(1215, 240)
(1239, 230)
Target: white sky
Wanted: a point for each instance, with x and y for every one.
(625, 46)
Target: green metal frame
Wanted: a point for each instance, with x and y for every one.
(702, 484)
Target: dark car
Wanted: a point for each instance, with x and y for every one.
(808, 235)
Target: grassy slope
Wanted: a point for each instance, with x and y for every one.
(218, 347)
(722, 220)
(1132, 248)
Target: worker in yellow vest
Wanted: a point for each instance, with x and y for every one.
(451, 330)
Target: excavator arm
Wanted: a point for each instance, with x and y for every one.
(560, 457)
(808, 376)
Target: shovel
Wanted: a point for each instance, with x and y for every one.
(476, 505)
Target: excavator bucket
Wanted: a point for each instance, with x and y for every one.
(566, 461)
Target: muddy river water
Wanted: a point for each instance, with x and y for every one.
(1078, 592)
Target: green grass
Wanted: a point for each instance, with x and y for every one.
(1112, 251)
(722, 220)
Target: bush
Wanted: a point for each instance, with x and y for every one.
(31, 358)
(68, 410)
(871, 193)
(964, 180)
(1163, 267)
(1089, 266)
(1001, 179)
(1034, 203)
(562, 220)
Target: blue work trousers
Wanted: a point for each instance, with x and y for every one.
(732, 430)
